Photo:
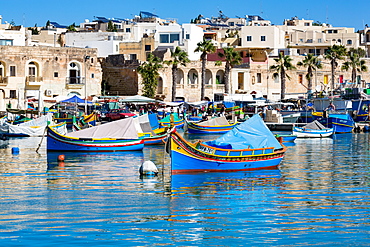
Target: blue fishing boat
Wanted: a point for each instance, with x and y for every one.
(287, 137)
(120, 135)
(340, 122)
(248, 146)
(313, 130)
(217, 125)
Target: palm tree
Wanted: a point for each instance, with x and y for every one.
(149, 73)
(179, 57)
(232, 58)
(205, 47)
(312, 63)
(355, 64)
(335, 53)
(283, 63)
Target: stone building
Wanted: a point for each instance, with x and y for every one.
(43, 72)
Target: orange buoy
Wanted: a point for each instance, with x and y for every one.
(61, 157)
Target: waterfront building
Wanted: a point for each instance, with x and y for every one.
(46, 72)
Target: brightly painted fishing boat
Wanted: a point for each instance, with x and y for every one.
(248, 146)
(340, 122)
(35, 127)
(120, 135)
(313, 130)
(177, 121)
(151, 135)
(217, 125)
(70, 119)
(287, 138)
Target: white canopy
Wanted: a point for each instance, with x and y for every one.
(215, 122)
(124, 128)
(139, 99)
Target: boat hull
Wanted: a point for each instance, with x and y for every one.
(311, 133)
(287, 138)
(186, 159)
(56, 142)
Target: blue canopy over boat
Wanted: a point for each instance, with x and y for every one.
(252, 133)
(153, 119)
(75, 99)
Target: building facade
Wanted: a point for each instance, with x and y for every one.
(46, 72)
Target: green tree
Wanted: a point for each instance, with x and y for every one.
(34, 30)
(149, 73)
(312, 63)
(355, 64)
(283, 64)
(178, 57)
(205, 47)
(47, 24)
(111, 27)
(72, 28)
(335, 53)
(232, 58)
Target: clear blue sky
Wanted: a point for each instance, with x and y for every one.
(353, 13)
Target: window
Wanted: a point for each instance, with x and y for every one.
(133, 57)
(13, 94)
(307, 24)
(169, 38)
(163, 38)
(187, 36)
(330, 31)
(231, 24)
(299, 51)
(12, 70)
(263, 38)
(319, 40)
(300, 79)
(339, 41)
(335, 31)
(56, 74)
(259, 78)
(349, 42)
(92, 75)
(174, 37)
(300, 40)
(316, 52)
(148, 47)
(31, 71)
(128, 30)
(249, 38)
(6, 42)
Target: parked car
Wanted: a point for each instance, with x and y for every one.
(116, 114)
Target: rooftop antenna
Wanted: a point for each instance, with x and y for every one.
(261, 9)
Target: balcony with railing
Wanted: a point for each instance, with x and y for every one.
(75, 82)
(32, 80)
(3, 80)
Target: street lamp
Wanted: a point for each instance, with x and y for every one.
(86, 59)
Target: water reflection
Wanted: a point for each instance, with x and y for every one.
(206, 183)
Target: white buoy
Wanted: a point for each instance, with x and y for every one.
(148, 168)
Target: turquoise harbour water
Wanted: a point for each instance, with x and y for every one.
(319, 197)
